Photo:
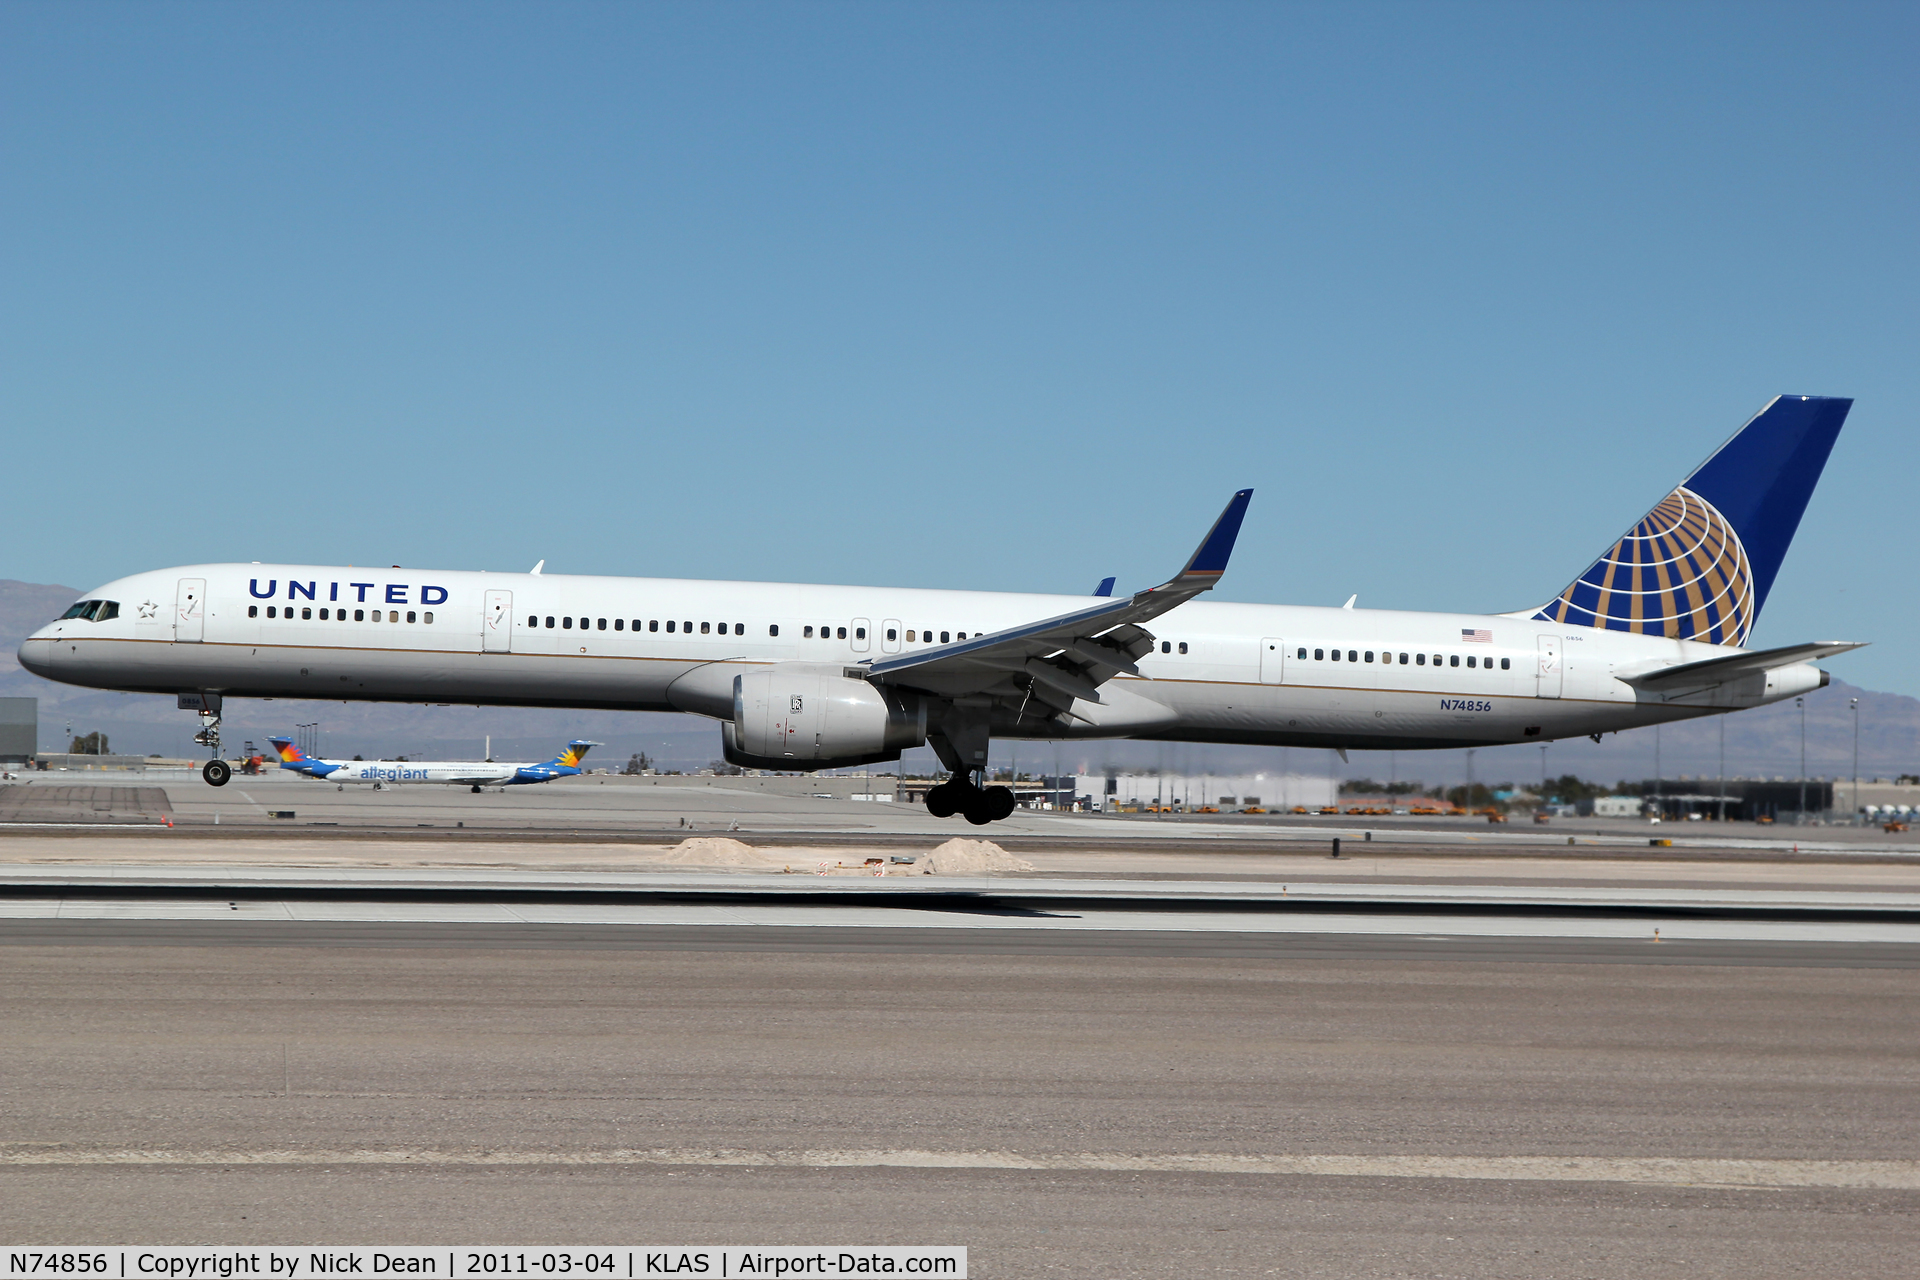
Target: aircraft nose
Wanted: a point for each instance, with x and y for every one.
(36, 655)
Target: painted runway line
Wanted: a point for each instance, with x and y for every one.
(987, 915)
(1891, 1175)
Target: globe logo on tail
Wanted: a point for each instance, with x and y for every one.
(1681, 572)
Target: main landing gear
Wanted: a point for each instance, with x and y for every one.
(960, 795)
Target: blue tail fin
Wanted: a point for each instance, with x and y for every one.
(1699, 565)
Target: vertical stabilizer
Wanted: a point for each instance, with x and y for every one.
(1700, 564)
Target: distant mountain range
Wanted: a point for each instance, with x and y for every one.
(1760, 743)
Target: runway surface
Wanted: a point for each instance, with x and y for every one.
(1062, 1103)
(1175, 1048)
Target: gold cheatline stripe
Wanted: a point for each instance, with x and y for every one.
(1665, 1171)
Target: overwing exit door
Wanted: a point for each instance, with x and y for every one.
(1273, 661)
(496, 624)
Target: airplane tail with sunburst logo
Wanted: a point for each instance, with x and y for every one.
(570, 758)
(1700, 564)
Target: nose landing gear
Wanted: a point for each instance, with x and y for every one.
(216, 771)
(959, 794)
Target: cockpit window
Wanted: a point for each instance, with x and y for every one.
(93, 610)
(108, 609)
(84, 609)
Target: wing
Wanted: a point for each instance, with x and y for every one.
(1720, 670)
(1057, 660)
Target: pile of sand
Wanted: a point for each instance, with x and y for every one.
(717, 851)
(963, 857)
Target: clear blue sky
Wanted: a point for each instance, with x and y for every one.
(997, 296)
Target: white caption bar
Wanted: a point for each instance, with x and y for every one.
(471, 1262)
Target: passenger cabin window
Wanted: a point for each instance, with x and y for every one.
(393, 615)
(1454, 660)
(1506, 664)
(807, 632)
(306, 614)
(909, 636)
(739, 628)
(892, 634)
(1369, 655)
(1319, 655)
(1166, 646)
(410, 615)
(774, 630)
(1419, 659)
(272, 612)
(860, 633)
(706, 628)
(566, 623)
(253, 611)
(599, 624)
(1470, 660)
(1183, 646)
(686, 627)
(426, 617)
(651, 626)
(1351, 657)
(1303, 653)
(841, 633)
(360, 615)
(669, 625)
(1336, 655)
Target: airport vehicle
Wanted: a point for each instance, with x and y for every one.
(451, 773)
(810, 677)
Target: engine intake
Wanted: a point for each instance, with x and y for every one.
(800, 716)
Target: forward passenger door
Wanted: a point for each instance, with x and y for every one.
(190, 610)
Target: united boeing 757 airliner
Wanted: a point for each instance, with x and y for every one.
(812, 677)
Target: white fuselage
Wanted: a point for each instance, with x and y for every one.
(445, 773)
(1219, 672)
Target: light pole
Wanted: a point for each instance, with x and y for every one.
(1802, 704)
(1854, 705)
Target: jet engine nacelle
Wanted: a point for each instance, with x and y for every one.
(803, 716)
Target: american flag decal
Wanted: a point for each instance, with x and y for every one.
(1478, 637)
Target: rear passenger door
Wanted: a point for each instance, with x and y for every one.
(496, 624)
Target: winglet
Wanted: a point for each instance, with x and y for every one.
(1210, 561)
(1105, 588)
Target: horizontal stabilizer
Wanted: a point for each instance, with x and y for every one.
(1733, 666)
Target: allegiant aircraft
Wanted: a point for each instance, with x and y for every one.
(456, 773)
(811, 677)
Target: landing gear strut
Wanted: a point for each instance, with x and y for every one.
(216, 771)
(960, 794)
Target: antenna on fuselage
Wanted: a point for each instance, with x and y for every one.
(1347, 605)
(535, 571)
